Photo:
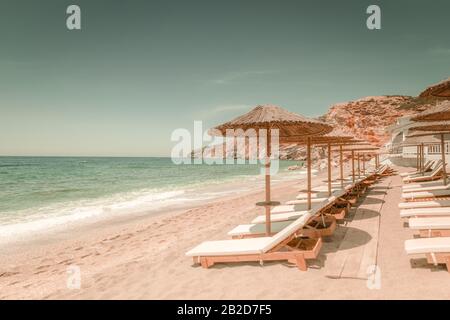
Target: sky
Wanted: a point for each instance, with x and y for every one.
(138, 70)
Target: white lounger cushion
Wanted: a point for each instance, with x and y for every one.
(422, 185)
(428, 245)
(322, 192)
(425, 194)
(303, 201)
(325, 189)
(428, 188)
(258, 228)
(285, 208)
(230, 247)
(303, 196)
(294, 203)
(436, 223)
(424, 204)
(285, 216)
(439, 211)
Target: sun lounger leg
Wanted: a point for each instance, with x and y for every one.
(447, 263)
(301, 263)
(206, 263)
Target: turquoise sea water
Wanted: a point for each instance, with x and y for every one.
(36, 191)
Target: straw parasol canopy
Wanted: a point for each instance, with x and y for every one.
(425, 137)
(435, 127)
(419, 137)
(289, 125)
(440, 112)
(335, 136)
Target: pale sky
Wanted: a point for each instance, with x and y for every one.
(140, 69)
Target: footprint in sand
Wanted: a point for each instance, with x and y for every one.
(8, 274)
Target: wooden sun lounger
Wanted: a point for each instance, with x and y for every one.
(339, 209)
(437, 250)
(382, 170)
(313, 229)
(432, 203)
(425, 194)
(433, 175)
(435, 183)
(300, 205)
(425, 212)
(305, 201)
(257, 227)
(431, 226)
(428, 188)
(426, 167)
(277, 217)
(285, 245)
(293, 212)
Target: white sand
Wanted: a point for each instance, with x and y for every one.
(144, 258)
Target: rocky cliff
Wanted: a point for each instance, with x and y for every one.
(367, 118)
(441, 90)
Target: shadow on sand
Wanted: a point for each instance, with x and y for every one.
(422, 263)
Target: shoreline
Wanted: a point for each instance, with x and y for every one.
(65, 216)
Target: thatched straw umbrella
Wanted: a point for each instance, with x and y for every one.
(358, 148)
(290, 126)
(436, 121)
(440, 112)
(335, 137)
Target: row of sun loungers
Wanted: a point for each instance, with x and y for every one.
(296, 233)
(429, 217)
(434, 174)
(426, 167)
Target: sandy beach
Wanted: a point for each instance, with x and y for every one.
(226, 150)
(145, 258)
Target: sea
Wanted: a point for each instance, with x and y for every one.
(38, 194)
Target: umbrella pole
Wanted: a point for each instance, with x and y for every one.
(364, 164)
(267, 165)
(329, 170)
(422, 162)
(417, 158)
(359, 168)
(341, 165)
(308, 155)
(420, 159)
(353, 166)
(444, 171)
